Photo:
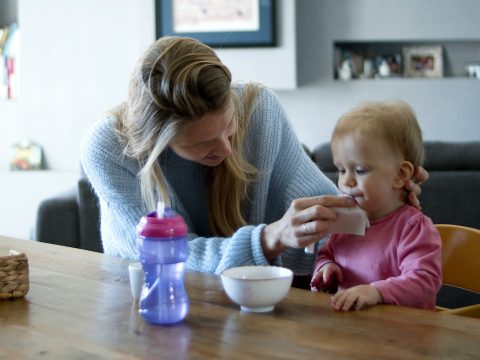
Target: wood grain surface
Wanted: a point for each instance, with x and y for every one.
(80, 307)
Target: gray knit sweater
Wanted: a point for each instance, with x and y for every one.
(285, 173)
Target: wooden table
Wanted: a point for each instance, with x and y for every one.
(79, 307)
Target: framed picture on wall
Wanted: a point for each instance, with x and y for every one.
(218, 23)
(423, 61)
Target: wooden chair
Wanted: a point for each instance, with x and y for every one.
(461, 263)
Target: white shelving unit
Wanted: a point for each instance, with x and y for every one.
(455, 54)
(20, 194)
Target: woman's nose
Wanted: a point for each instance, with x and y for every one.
(224, 146)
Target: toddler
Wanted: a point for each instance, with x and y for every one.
(376, 147)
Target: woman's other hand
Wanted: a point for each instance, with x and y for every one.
(305, 222)
(413, 186)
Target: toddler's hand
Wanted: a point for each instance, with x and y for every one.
(357, 298)
(326, 278)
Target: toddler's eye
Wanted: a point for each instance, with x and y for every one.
(341, 171)
(361, 171)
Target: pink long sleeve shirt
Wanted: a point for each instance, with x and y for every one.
(400, 255)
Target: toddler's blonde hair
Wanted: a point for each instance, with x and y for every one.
(394, 122)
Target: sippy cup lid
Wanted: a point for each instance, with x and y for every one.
(171, 225)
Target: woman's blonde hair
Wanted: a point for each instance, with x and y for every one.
(177, 81)
(393, 122)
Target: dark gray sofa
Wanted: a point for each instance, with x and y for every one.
(71, 219)
(451, 196)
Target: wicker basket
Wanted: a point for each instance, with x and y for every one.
(14, 280)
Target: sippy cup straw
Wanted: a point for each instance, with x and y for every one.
(160, 209)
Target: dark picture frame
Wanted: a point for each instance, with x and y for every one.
(221, 26)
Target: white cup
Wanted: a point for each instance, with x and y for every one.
(137, 278)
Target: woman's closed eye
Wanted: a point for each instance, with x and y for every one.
(199, 145)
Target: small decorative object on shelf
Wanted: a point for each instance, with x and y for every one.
(14, 275)
(473, 70)
(355, 62)
(384, 69)
(408, 59)
(368, 70)
(348, 64)
(27, 155)
(423, 61)
(345, 71)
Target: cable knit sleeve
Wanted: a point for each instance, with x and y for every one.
(114, 180)
(218, 254)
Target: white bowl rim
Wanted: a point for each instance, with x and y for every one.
(285, 273)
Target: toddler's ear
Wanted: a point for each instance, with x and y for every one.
(405, 172)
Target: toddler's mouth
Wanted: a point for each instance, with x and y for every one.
(353, 196)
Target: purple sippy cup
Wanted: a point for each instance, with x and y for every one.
(163, 246)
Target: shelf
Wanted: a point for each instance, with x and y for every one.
(21, 193)
(402, 59)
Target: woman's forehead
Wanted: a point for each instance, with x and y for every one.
(209, 126)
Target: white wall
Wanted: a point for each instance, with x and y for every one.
(275, 67)
(21, 193)
(448, 109)
(75, 61)
(77, 55)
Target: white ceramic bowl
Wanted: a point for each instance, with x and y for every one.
(257, 288)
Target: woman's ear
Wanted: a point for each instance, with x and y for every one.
(405, 172)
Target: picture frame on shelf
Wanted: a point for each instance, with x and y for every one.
(218, 23)
(423, 61)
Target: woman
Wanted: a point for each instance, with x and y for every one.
(223, 156)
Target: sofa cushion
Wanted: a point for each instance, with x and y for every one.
(452, 197)
(88, 217)
(442, 155)
(57, 220)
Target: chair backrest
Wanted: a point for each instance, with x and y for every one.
(460, 256)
